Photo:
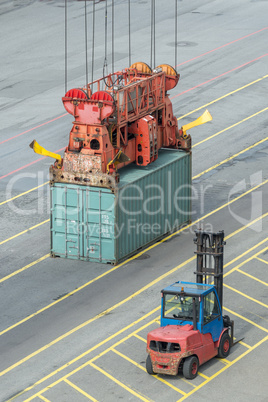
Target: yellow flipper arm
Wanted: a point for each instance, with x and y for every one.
(206, 116)
(42, 151)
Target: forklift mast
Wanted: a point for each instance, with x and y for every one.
(209, 261)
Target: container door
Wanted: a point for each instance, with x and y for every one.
(66, 221)
(99, 242)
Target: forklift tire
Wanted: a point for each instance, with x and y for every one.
(190, 367)
(149, 366)
(225, 345)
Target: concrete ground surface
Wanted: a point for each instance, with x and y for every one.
(75, 331)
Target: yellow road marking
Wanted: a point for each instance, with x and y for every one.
(244, 344)
(83, 355)
(80, 390)
(247, 260)
(225, 361)
(224, 368)
(24, 231)
(146, 399)
(252, 277)
(260, 259)
(228, 128)
(24, 268)
(230, 158)
(25, 192)
(144, 369)
(261, 217)
(244, 295)
(140, 338)
(245, 319)
(203, 375)
(43, 398)
(224, 96)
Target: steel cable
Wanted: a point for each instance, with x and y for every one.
(129, 37)
(86, 42)
(93, 43)
(65, 39)
(176, 31)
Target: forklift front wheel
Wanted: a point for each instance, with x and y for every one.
(225, 344)
(149, 366)
(190, 367)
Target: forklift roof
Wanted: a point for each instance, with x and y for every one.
(189, 288)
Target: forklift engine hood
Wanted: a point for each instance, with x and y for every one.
(185, 335)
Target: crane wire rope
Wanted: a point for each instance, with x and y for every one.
(152, 59)
(65, 44)
(105, 65)
(86, 45)
(129, 37)
(113, 36)
(93, 43)
(154, 34)
(176, 32)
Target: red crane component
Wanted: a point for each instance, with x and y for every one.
(127, 121)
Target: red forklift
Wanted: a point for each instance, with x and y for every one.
(193, 329)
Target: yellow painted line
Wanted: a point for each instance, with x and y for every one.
(81, 356)
(224, 368)
(144, 369)
(244, 344)
(261, 217)
(131, 391)
(80, 390)
(24, 268)
(140, 338)
(245, 319)
(252, 277)
(25, 192)
(245, 295)
(260, 259)
(224, 96)
(230, 158)
(203, 375)
(247, 260)
(24, 231)
(228, 128)
(43, 398)
(224, 361)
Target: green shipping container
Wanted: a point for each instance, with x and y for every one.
(107, 225)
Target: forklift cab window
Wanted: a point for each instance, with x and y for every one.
(180, 307)
(211, 307)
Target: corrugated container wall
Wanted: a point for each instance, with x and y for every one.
(103, 225)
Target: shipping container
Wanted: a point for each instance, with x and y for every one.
(108, 225)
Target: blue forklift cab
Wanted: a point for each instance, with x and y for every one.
(195, 304)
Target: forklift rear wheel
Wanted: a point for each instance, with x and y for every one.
(149, 366)
(190, 367)
(225, 345)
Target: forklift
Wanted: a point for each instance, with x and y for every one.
(193, 329)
